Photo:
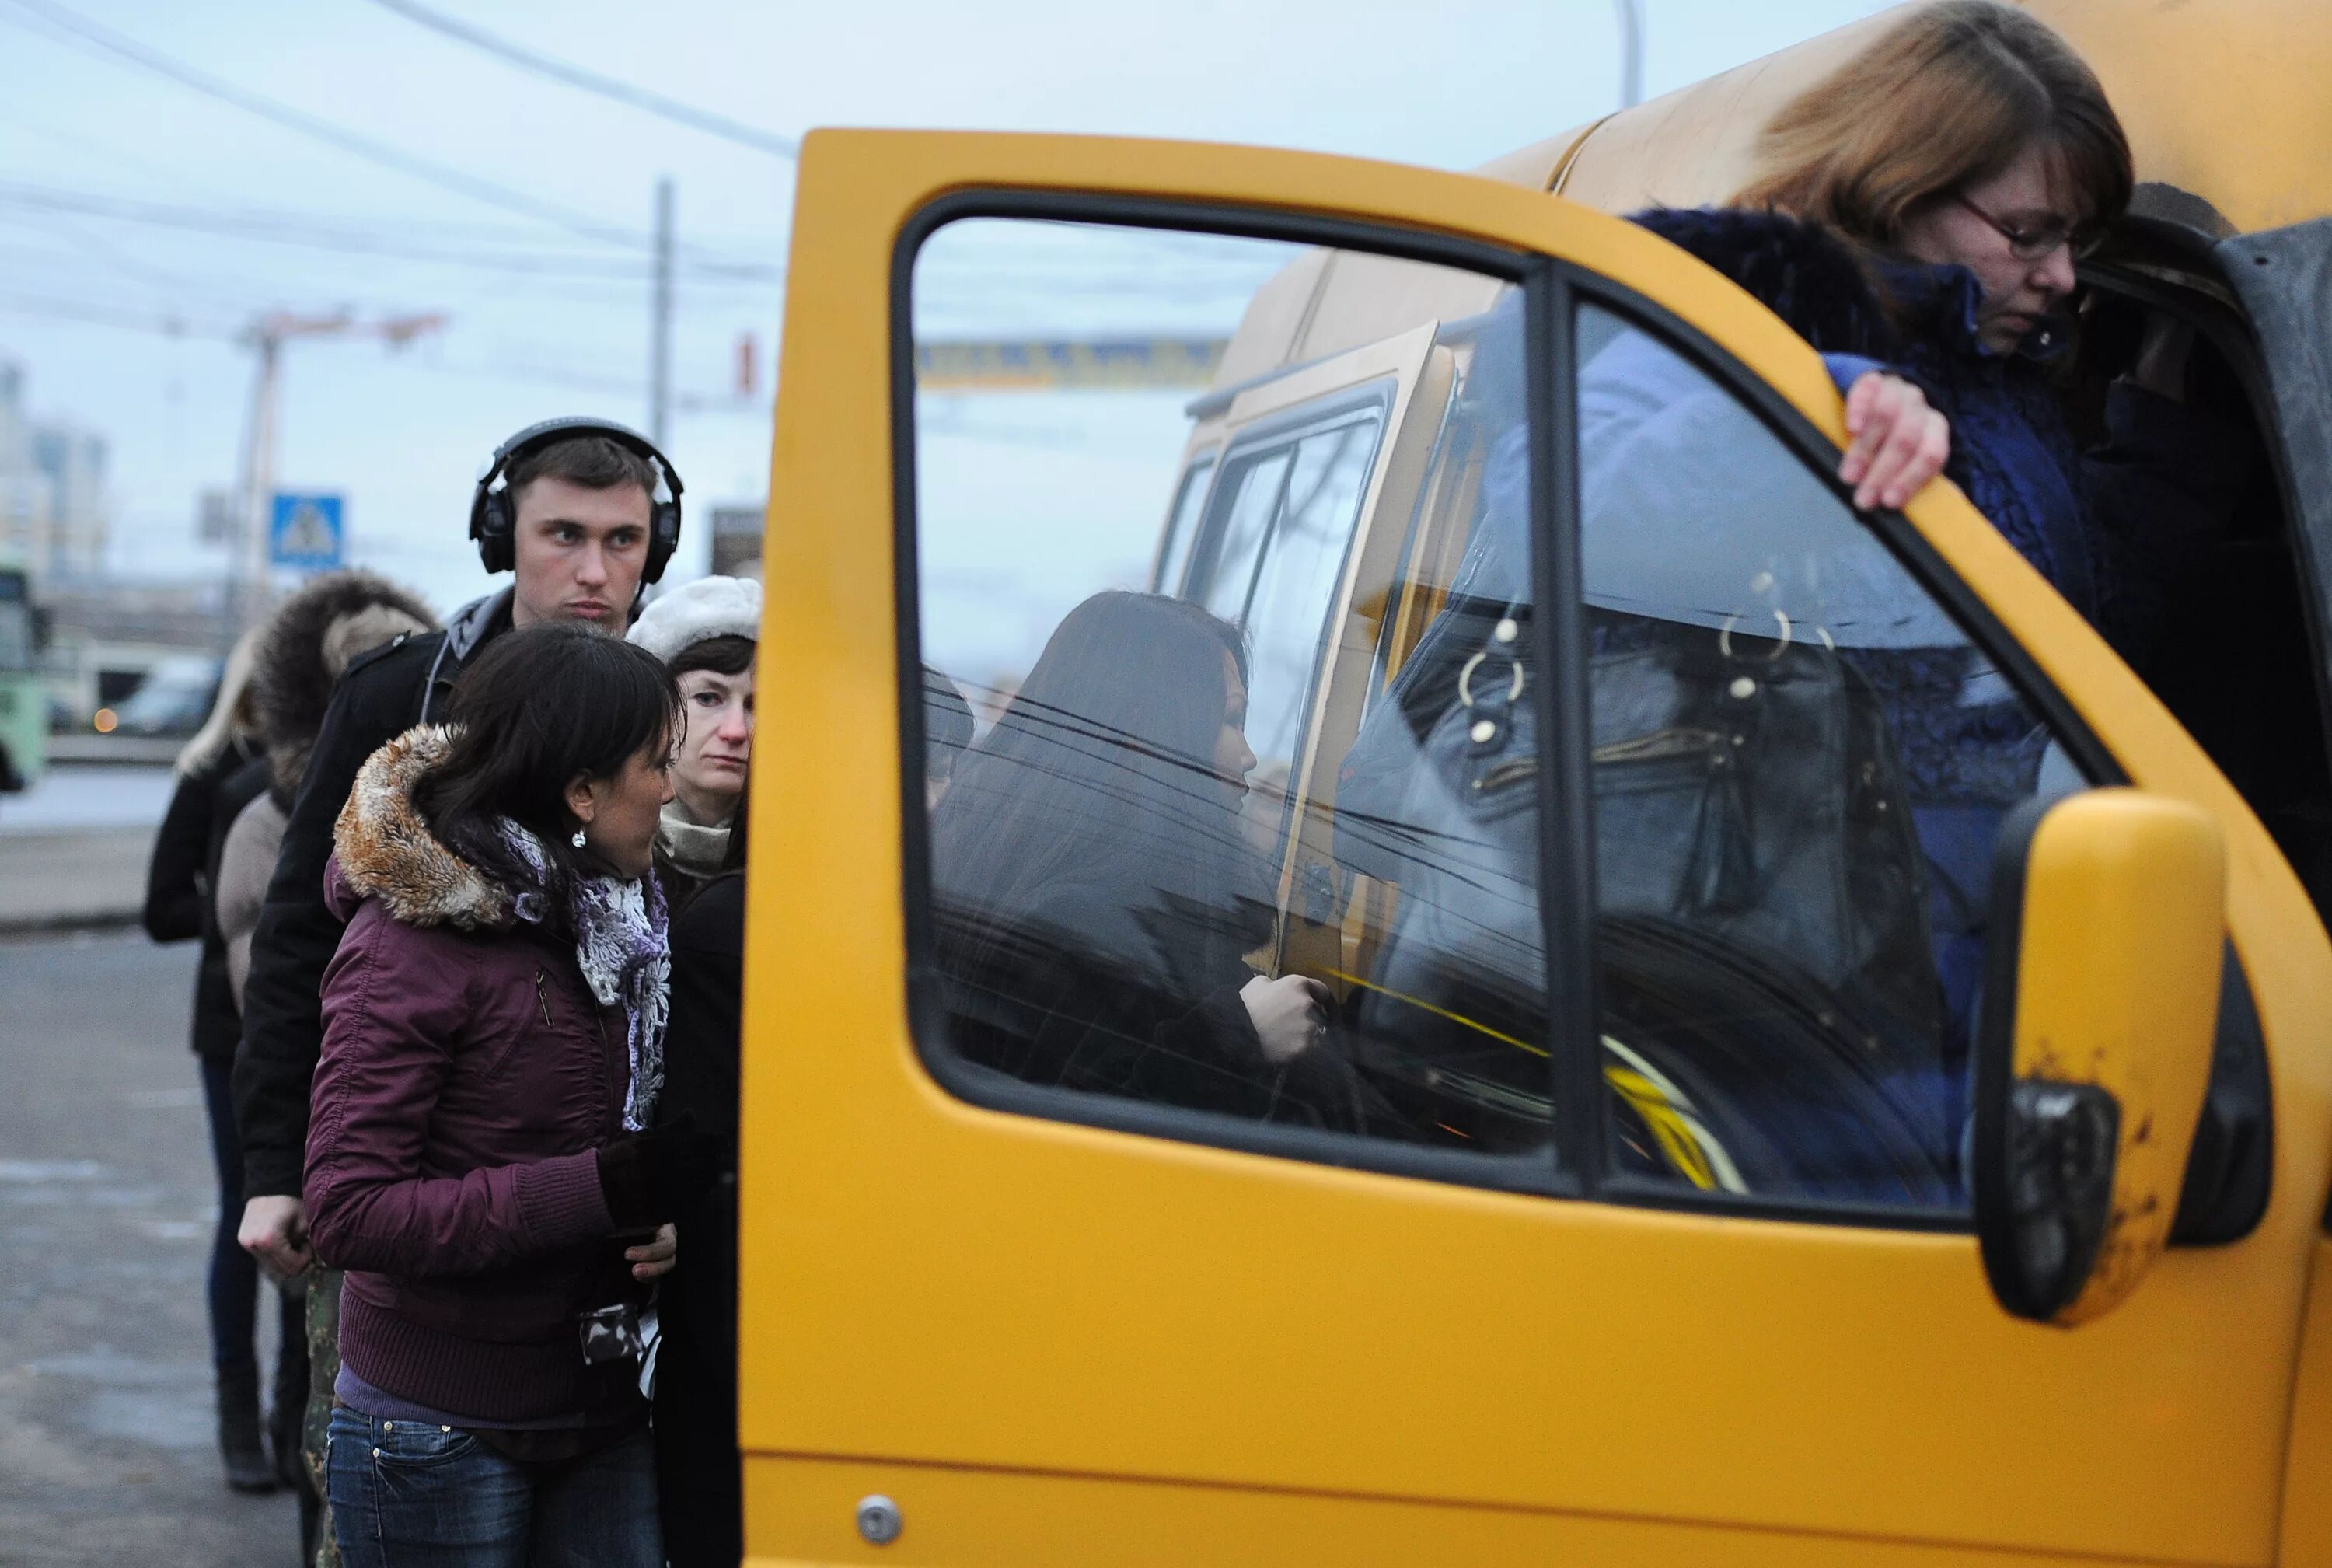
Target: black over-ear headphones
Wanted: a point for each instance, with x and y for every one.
(493, 518)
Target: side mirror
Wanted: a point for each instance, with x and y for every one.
(2093, 1043)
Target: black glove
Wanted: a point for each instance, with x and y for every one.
(648, 1177)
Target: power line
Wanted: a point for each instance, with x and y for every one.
(107, 254)
(333, 234)
(324, 130)
(176, 177)
(50, 307)
(235, 220)
(622, 92)
(505, 365)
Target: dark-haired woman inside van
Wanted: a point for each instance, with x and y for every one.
(1095, 891)
(481, 1158)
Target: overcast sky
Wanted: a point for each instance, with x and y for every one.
(1450, 85)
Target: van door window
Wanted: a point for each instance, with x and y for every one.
(1111, 867)
(1799, 763)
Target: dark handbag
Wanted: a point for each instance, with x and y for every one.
(1748, 787)
(1766, 991)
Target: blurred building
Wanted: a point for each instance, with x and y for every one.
(737, 539)
(54, 508)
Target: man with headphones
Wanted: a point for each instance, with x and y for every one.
(584, 514)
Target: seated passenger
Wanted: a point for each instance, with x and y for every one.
(1094, 893)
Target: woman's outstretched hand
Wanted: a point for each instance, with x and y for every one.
(1899, 443)
(654, 1259)
(1290, 1014)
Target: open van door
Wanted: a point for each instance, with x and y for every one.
(1648, 1233)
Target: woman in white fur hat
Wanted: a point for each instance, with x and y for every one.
(706, 633)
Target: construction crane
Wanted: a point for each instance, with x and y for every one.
(247, 578)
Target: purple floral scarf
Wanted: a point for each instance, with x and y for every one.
(622, 942)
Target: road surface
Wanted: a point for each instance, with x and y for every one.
(107, 1454)
(73, 851)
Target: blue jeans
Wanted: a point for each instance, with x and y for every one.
(410, 1495)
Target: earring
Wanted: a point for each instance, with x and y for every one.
(578, 840)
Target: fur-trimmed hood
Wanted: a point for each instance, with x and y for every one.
(308, 642)
(383, 849)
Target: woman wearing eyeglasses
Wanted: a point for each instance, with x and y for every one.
(1972, 157)
(1922, 211)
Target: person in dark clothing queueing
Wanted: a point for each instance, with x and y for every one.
(582, 513)
(480, 1157)
(180, 882)
(700, 1481)
(308, 640)
(698, 1468)
(706, 633)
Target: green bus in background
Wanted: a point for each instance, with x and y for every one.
(23, 700)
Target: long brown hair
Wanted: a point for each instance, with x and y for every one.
(1945, 99)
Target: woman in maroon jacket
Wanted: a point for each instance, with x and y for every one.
(478, 1153)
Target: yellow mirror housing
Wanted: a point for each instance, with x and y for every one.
(2093, 1047)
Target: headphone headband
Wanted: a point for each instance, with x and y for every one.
(494, 516)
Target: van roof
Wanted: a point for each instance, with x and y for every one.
(2224, 101)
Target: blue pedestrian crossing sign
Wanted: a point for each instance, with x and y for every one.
(305, 531)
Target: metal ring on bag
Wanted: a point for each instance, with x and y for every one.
(1724, 636)
(1466, 679)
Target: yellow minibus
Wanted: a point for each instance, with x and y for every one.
(1679, 1208)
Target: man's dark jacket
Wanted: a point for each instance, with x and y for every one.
(382, 695)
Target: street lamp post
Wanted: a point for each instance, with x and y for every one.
(1631, 52)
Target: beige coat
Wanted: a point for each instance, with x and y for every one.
(246, 861)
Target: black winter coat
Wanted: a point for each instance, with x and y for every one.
(382, 695)
(181, 875)
(1124, 993)
(699, 1478)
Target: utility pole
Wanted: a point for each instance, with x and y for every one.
(1631, 52)
(247, 570)
(660, 317)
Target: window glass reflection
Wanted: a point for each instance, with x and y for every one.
(1800, 766)
(1148, 882)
